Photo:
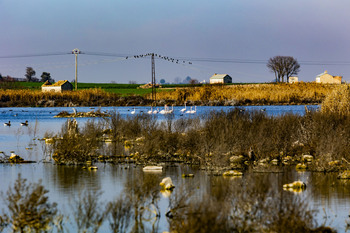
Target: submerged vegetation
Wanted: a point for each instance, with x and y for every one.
(227, 140)
(228, 206)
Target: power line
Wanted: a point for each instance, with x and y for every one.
(35, 55)
(187, 60)
(106, 54)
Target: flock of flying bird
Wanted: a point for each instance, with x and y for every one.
(167, 110)
(161, 57)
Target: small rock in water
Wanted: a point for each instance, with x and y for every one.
(232, 173)
(295, 186)
(167, 184)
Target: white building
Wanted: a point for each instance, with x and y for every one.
(293, 79)
(327, 78)
(60, 86)
(220, 78)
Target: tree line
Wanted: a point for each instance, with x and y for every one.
(29, 77)
(282, 66)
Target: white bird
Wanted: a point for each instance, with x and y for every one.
(75, 111)
(133, 112)
(24, 123)
(195, 109)
(184, 109)
(192, 111)
(7, 123)
(166, 109)
(163, 111)
(150, 111)
(156, 111)
(172, 109)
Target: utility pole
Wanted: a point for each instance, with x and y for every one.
(154, 97)
(76, 52)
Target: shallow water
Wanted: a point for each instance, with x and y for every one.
(331, 197)
(41, 120)
(324, 192)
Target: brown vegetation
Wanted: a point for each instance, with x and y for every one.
(28, 208)
(212, 141)
(89, 97)
(338, 101)
(240, 206)
(254, 94)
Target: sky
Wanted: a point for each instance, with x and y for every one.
(233, 37)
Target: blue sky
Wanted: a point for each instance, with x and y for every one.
(312, 30)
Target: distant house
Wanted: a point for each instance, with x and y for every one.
(60, 86)
(293, 79)
(327, 78)
(220, 78)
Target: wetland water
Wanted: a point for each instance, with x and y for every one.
(324, 192)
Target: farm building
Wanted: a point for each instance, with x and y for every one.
(327, 78)
(293, 79)
(61, 85)
(220, 78)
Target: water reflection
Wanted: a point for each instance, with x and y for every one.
(141, 192)
(70, 179)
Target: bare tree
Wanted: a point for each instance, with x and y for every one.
(283, 66)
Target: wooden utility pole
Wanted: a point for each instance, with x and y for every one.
(76, 52)
(154, 96)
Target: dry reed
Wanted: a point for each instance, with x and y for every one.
(254, 94)
(338, 101)
(89, 97)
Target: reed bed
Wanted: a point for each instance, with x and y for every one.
(338, 101)
(88, 97)
(251, 94)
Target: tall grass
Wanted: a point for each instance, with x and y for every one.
(88, 97)
(253, 94)
(338, 101)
